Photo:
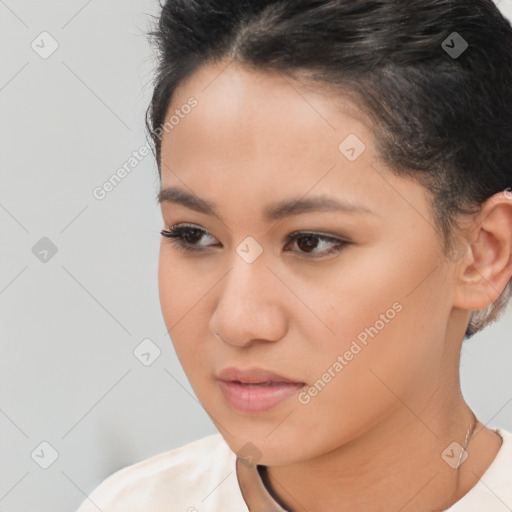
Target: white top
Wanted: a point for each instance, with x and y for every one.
(201, 477)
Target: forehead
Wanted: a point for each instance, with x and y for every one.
(231, 89)
(246, 114)
(256, 136)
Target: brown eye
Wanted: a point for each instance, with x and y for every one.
(192, 236)
(309, 242)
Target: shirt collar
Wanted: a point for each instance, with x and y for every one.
(254, 492)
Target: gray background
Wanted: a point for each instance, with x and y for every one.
(70, 324)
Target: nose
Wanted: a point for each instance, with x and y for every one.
(250, 305)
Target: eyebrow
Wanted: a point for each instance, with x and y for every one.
(274, 211)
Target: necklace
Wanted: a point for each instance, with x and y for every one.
(466, 441)
(257, 496)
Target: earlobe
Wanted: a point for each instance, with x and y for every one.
(486, 269)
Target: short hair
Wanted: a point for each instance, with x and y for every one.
(441, 118)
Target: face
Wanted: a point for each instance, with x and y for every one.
(356, 306)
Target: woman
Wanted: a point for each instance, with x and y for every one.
(336, 195)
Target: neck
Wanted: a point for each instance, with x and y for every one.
(397, 465)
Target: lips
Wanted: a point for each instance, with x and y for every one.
(255, 390)
(253, 376)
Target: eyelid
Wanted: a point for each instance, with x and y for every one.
(339, 242)
(294, 234)
(319, 234)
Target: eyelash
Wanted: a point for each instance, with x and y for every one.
(177, 233)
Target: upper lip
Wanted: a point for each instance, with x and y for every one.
(252, 376)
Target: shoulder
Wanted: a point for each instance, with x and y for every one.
(499, 472)
(494, 489)
(197, 476)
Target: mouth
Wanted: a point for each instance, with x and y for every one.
(255, 390)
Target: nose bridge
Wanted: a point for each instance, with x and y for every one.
(248, 286)
(248, 305)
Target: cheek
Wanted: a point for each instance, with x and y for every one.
(388, 325)
(184, 288)
(181, 285)
(392, 292)
(169, 286)
(180, 301)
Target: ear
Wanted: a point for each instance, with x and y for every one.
(486, 268)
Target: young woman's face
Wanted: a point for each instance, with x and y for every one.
(361, 326)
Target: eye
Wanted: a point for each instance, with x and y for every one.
(187, 236)
(310, 242)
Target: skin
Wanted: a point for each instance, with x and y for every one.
(372, 439)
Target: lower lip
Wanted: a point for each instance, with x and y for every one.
(251, 398)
